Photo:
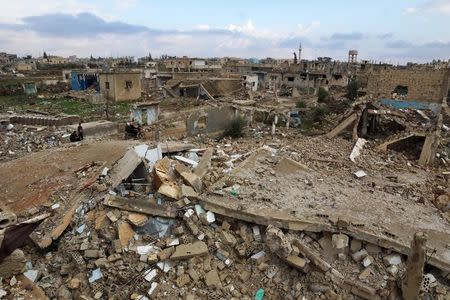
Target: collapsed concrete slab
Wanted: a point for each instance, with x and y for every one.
(354, 217)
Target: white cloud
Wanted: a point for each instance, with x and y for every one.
(303, 30)
(14, 11)
(430, 6)
(204, 27)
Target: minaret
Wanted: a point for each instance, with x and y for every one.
(299, 52)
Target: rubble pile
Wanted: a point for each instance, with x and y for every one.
(18, 140)
(139, 230)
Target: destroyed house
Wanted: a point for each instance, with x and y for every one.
(121, 86)
(83, 79)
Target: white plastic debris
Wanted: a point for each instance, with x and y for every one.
(360, 174)
(81, 229)
(199, 209)
(165, 266)
(96, 275)
(189, 213)
(141, 150)
(210, 217)
(105, 171)
(150, 275)
(258, 255)
(152, 289)
(31, 274)
(186, 160)
(55, 206)
(356, 151)
(143, 250)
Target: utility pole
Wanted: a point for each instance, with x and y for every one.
(414, 267)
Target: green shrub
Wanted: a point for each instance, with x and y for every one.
(301, 104)
(352, 89)
(322, 94)
(236, 127)
(318, 112)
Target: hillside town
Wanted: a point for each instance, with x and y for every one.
(178, 177)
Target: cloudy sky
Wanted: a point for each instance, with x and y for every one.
(383, 30)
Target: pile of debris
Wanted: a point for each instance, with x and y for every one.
(17, 140)
(140, 230)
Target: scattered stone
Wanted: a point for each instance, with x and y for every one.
(355, 245)
(189, 250)
(392, 259)
(360, 255)
(367, 261)
(212, 279)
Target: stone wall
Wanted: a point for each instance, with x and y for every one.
(423, 85)
(45, 120)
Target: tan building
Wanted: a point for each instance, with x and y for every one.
(26, 66)
(425, 85)
(124, 86)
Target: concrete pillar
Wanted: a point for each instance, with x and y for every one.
(275, 121)
(414, 267)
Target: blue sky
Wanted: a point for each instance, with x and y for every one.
(392, 31)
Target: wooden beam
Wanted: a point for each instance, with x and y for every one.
(344, 124)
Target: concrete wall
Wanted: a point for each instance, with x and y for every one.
(118, 90)
(423, 85)
(45, 121)
(210, 120)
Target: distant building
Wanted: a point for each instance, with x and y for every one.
(6, 58)
(26, 65)
(123, 86)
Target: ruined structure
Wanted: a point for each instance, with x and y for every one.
(121, 86)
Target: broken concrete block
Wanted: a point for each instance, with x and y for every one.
(137, 219)
(393, 270)
(74, 283)
(194, 275)
(256, 233)
(271, 271)
(340, 242)
(367, 261)
(13, 264)
(172, 242)
(392, 259)
(296, 262)
(126, 233)
(373, 249)
(166, 253)
(188, 192)
(360, 255)
(101, 220)
(212, 279)
(228, 238)
(152, 258)
(117, 245)
(364, 274)
(169, 190)
(189, 178)
(204, 164)
(91, 253)
(355, 245)
(183, 280)
(112, 216)
(186, 251)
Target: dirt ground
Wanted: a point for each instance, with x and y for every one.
(29, 181)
